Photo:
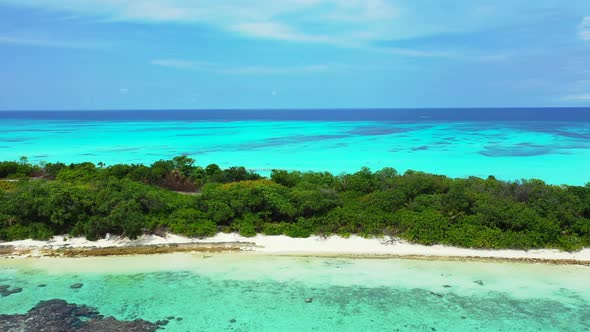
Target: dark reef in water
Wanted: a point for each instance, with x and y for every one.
(6, 291)
(60, 316)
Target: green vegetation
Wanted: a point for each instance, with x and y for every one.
(178, 196)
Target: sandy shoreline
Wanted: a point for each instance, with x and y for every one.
(335, 246)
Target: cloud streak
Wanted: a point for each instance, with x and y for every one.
(577, 97)
(246, 70)
(335, 22)
(183, 64)
(362, 24)
(52, 43)
(280, 31)
(344, 21)
(584, 28)
(448, 55)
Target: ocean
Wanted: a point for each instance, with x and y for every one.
(243, 292)
(253, 292)
(551, 144)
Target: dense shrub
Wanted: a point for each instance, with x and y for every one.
(178, 196)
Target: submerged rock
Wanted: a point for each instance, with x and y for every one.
(77, 285)
(162, 322)
(308, 300)
(436, 294)
(5, 291)
(233, 320)
(60, 316)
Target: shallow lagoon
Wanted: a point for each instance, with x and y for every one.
(251, 292)
(557, 152)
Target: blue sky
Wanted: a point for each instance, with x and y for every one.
(136, 54)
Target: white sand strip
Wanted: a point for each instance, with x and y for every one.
(283, 245)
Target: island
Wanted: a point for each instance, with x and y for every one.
(176, 205)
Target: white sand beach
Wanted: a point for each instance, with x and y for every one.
(312, 246)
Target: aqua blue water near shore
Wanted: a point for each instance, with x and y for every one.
(262, 293)
(549, 144)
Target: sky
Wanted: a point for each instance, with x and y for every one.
(191, 54)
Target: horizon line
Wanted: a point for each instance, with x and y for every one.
(294, 109)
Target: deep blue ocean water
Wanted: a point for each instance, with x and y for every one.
(581, 114)
(552, 144)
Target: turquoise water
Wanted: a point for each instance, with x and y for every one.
(557, 152)
(242, 292)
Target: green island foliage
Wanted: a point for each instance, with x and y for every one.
(84, 199)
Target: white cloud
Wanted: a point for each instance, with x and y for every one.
(418, 53)
(577, 97)
(183, 64)
(343, 23)
(346, 23)
(245, 70)
(343, 20)
(450, 55)
(281, 70)
(584, 28)
(39, 42)
(279, 31)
